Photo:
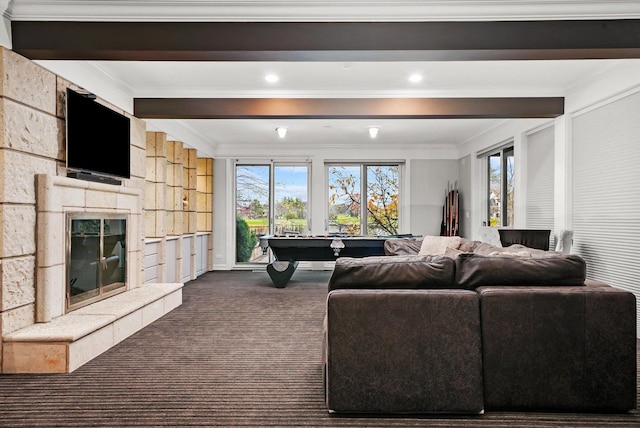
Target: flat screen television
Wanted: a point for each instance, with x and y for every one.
(98, 138)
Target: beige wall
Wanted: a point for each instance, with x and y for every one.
(178, 189)
(32, 131)
(32, 144)
(204, 191)
(177, 204)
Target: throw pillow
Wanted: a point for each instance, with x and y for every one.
(434, 245)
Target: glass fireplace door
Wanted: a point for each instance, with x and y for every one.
(97, 259)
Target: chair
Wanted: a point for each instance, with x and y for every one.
(490, 235)
(565, 240)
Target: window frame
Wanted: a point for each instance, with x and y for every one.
(363, 168)
(505, 152)
(272, 164)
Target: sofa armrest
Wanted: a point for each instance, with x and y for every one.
(559, 348)
(403, 351)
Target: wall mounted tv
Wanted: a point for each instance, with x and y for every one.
(98, 140)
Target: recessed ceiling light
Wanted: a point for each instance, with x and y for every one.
(373, 131)
(415, 78)
(282, 131)
(271, 78)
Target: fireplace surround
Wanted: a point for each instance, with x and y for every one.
(64, 338)
(59, 198)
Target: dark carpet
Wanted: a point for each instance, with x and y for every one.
(238, 352)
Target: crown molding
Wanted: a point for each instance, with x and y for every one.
(452, 92)
(316, 11)
(414, 149)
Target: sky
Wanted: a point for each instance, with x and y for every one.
(290, 181)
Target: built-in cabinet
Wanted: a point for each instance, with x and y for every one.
(171, 256)
(202, 251)
(186, 258)
(152, 262)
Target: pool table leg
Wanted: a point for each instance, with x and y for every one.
(281, 272)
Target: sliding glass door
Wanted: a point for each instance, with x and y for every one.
(271, 198)
(291, 200)
(253, 183)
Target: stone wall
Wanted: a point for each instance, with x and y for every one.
(189, 181)
(178, 201)
(154, 204)
(32, 141)
(175, 188)
(205, 195)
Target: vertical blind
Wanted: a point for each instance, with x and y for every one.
(540, 181)
(606, 192)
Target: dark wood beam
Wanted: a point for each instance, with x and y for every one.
(327, 41)
(347, 108)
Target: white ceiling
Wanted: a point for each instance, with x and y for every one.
(332, 79)
(335, 79)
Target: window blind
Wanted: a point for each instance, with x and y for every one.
(606, 192)
(540, 181)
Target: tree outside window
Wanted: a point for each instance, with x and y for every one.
(501, 173)
(379, 184)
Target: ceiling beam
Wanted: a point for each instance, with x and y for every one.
(347, 108)
(327, 41)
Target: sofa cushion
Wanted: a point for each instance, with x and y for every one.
(474, 270)
(409, 271)
(453, 253)
(402, 246)
(510, 254)
(485, 249)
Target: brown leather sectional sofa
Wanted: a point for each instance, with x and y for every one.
(474, 330)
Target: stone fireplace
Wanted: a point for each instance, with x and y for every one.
(59, 197)
(63, 337)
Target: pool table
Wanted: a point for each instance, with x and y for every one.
(288, 250)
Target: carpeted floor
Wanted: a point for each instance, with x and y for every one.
(238, 352)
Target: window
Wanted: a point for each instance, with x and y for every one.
(271, 198)
(377, 212)
(500, 175)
